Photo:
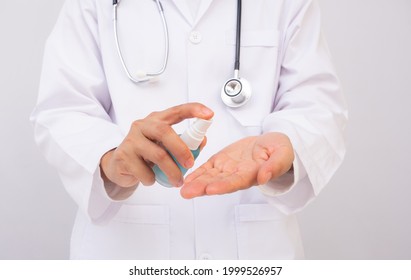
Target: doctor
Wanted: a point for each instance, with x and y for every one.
(118, 87)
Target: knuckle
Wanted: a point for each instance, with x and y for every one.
(153, 115)
(139, 147)
(160, 155)
(120, 153)
(161, 130)
(175, 110)
(127, 146)
(137, 124)
(164, 129)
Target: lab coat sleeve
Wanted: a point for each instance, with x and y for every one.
(309, 108)
(71, 121)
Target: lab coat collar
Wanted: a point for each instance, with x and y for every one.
(185, 10)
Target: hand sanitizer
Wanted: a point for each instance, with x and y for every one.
(192, 137)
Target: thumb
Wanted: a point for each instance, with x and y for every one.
(277, 164)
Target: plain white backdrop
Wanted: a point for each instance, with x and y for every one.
(364, 213)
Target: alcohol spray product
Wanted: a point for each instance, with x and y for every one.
(192, 137)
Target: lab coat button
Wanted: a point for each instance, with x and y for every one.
(205, 257)
(195, 37)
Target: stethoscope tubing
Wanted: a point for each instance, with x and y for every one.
(238, 40)
(144, 76)
(235, 92)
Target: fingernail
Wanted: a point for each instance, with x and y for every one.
(180, 182)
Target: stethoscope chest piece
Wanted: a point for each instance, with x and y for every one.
(236, 92)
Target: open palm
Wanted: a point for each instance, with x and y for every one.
(248, 162)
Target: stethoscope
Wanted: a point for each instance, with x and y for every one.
(235, 92)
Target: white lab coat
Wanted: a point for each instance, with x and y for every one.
(86, 105)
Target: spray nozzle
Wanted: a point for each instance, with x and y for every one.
(194, 135)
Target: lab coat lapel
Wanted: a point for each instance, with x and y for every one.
(184, 9)
(186, 13)
(205, 4)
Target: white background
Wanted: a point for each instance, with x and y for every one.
(365, 213)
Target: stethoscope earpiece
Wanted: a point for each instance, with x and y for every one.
(236, 92)
(143, 77)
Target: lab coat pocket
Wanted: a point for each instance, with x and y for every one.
(136, 232)
(262, 233)
(249, 117)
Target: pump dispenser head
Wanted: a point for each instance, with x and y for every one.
(194, 135)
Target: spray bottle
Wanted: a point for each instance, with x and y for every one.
(192, 137)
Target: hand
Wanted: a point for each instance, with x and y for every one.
(245, 163)
(146, 145)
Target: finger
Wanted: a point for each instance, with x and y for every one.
(138, 168)
(140, 153)
(277, 164)
(212, 182)
(127, 170)
(181, 152)
(182, 112)
(168, 137)
(211, 185)
(194, 189)
(197, 181)
(157, 155)
(197, 172)
(164, 134)
(226, 184)
(202, 145)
